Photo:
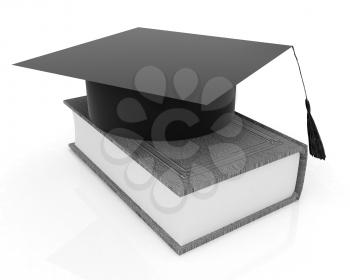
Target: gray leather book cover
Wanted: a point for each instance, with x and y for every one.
(255, 144)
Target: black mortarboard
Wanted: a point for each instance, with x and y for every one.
(158, 85)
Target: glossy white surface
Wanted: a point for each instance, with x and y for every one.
(197, 214)
(59, 221)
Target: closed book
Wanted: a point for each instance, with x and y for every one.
(195, 190)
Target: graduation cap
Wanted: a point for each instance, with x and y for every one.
(161, 85)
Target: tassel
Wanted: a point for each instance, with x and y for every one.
(316, 148)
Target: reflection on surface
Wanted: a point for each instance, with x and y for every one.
(118, 242)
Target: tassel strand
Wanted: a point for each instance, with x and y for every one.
(316, 148)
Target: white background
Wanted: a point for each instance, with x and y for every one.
(59, 221)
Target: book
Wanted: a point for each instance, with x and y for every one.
(200, 188)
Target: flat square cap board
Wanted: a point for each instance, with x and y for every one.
(193, 72)
(115, 60)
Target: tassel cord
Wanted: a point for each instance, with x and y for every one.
(316, 148)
